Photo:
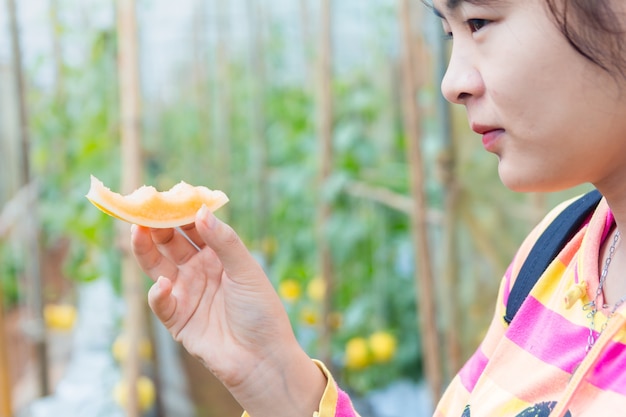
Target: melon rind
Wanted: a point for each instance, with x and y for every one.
(158, 209)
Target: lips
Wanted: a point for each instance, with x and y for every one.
(490, 135)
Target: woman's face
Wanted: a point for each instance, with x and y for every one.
(553, 118)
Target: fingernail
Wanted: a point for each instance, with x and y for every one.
(206, 216)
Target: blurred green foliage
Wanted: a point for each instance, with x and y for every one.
(75, 135)
(204, 133)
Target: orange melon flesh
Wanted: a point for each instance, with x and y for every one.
(151, 208)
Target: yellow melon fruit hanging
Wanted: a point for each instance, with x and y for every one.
(151, 208)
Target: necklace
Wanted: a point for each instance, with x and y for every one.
(592, 306)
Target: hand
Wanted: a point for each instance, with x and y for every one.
(221, 306)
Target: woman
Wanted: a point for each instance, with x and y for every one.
(543, 83)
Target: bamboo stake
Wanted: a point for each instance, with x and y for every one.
(58, 160)
(258, 157)
(325, 134)
(224, 98)
(56, 47)
(199, 49)
(201, 88)
(130, 112)
(425, 292)
(451, 185)
(381, 195)
(388, 198)
(306, 41)
(5, 222)
(33, 266)
(5, 378)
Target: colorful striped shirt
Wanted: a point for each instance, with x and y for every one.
(538, 365)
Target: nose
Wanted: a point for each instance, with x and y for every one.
(462, 79)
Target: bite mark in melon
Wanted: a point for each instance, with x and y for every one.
(151, 208)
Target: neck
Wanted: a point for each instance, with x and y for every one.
(615, 284)
(615, 195)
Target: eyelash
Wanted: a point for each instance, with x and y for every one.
(474, 25)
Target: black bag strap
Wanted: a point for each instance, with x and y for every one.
(548, 246)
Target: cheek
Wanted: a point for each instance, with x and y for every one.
(545, 96)
(523, 81)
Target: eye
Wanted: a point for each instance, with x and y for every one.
(475, 25)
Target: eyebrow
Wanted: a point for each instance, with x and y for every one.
(453, 4)
(450, 5)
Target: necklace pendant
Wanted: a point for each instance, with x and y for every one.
(575, 293)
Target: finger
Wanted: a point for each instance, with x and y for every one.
(150, 259)
(161, 300)
(173, 245)
(236, 260)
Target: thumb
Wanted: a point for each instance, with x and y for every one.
(161, 300)
(237, 261)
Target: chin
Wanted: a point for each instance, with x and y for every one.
(531, 183)
(525, 188)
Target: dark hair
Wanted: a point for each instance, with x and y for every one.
(594, 30)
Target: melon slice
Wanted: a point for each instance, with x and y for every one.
(151, 208)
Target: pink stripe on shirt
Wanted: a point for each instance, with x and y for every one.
(564, 336)
(344, 405)
(473, 369)
(607, 376)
